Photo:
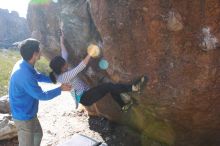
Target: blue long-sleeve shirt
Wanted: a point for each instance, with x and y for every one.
(25, 93)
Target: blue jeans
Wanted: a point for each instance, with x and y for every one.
(29, 132)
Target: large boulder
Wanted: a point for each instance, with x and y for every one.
(175, 42)
(13, 28)
(45, 19)
(7, 127)
(4, 104)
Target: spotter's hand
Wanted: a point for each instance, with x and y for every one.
(65, 87)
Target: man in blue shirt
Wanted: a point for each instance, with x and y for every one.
(25, 93)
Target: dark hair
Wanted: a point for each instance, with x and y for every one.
(56, 65)
(52, 77)
(28, 47)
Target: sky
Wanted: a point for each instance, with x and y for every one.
(15, 5)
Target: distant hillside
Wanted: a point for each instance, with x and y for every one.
(13, 28)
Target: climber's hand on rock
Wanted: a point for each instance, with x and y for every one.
(93, 50)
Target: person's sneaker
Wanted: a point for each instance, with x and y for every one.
(125, 97)
(126, 107)
(139, 84)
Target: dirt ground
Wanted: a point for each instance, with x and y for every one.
(60, 121)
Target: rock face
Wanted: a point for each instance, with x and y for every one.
(44, 21)
(7, 126)
(13, 28)
(175, 42)
(4, 105)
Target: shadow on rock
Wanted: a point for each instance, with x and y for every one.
(113, 133)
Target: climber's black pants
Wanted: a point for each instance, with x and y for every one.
(94, 94)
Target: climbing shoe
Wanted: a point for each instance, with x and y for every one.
(125, 97)
(126, 107)
(139, 84)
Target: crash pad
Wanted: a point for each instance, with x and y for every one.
(82, 140)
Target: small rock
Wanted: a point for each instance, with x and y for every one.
(145, 9)
(49, 132)
(107, 138)
(174, 21)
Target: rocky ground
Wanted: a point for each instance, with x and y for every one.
(60, 121)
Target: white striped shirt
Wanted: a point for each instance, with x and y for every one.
(71, 77)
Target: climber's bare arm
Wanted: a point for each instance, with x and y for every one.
(64, 52)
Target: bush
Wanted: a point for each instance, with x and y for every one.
(7, 60)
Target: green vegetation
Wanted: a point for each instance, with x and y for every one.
(7, 60)
(40, 1)
(43, 66)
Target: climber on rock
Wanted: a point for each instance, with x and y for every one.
(81, 91)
